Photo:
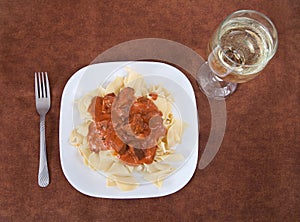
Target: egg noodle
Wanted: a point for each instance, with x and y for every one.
(118, 173)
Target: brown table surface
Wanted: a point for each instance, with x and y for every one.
(255, 175)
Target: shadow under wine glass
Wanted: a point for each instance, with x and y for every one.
(239, 49)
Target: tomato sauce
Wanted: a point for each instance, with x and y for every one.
(153, 95)
(102, 134)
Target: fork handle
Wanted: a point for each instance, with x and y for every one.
(43, 177)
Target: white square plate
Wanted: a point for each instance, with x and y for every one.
(91, 183)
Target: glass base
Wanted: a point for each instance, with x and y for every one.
(211, 85)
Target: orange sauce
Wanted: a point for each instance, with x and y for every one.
(153, 95)
(102, 136)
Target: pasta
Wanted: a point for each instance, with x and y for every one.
(118, 173)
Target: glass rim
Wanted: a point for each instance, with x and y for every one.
(274, 30)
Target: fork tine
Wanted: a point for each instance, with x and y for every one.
(40, 86)
(43, 85)
(36, 85)
(47, 86)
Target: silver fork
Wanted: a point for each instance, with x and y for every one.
(42, 101)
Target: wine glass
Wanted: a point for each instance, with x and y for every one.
(239, 49)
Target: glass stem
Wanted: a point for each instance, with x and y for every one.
(212, 85)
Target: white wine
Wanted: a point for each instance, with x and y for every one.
(239, 49)
(244, 48)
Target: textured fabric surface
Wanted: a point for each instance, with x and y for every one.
(255, 175)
